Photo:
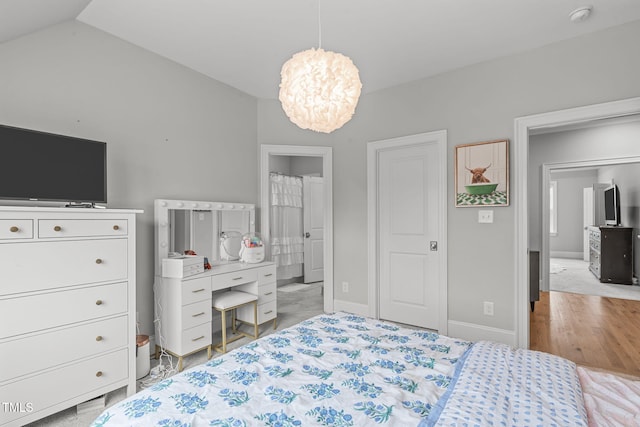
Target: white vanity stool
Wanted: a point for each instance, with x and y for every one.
(230, 301)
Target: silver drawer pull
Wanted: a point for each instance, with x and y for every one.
(268, 293)
(267, 275)
(199, 338)
(198, 290)
(268, 312)
(199, 314)
(14, 229)
(237, 278)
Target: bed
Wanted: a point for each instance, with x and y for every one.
(348, 370)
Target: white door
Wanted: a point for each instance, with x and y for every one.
(313, 217)
(408, 214)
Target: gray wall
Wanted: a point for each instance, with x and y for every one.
(570, 232)
(476, 103)
(170, 132)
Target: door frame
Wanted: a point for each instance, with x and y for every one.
(374, 149)
(326, 153)
(522, 126)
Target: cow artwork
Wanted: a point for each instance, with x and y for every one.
(477, 174)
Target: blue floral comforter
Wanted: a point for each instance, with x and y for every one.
(331, 370)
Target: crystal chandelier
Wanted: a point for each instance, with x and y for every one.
(319, 89)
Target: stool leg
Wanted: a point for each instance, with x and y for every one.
(180, 364)
(275, 323)
(208, 352)
(224, 331)
(233, 320)
(255, 319)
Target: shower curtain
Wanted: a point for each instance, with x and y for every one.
(287, 244)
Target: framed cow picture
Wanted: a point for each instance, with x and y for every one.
(482, 174)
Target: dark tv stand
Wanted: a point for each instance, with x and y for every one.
(611, 254)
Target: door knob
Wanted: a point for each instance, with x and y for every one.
(307, 234)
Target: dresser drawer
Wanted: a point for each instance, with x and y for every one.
(36, 266)
(12, 229)
(266, 312)
(227, 280)
(196, 290)
(48, 310)
(267, 293)
(69, 382)
(52, 228)
(196, 338)
(267, 274)
(36, 352)
(196, 314)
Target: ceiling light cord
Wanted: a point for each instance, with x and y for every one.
(319, 28)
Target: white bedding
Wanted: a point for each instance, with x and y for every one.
(332, 370)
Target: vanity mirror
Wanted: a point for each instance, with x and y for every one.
(182, 225)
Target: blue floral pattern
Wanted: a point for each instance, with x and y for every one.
(336, 370)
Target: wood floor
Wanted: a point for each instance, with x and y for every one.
(594, 331)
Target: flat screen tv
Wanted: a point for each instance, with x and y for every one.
(612, 206)
(40, 166)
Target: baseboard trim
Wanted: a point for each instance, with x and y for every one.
(351, 307)
(566, 254)
(474, 332)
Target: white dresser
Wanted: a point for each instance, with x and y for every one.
(67, 308)
(184, 306)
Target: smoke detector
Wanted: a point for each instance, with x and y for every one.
(580, 14)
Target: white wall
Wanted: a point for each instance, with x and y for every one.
(170, 132)
(568, 241)
(477, 103)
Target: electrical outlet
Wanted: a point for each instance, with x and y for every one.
(345, 287)
(488, 308)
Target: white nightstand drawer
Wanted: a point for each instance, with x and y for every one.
(267, 293)
(48, 310)
(52, 228)
(266, 312)
(196, 314)
(239, 277)
(196, 290)
(196, 338)
(52, 387)
(26, 267)
(267, 274)
(25, 355)
(12, 229)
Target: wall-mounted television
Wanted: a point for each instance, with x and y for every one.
(40, 166)
(612, 205)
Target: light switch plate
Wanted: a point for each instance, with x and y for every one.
(485, 217)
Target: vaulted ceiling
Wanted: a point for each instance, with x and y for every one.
(244, 43)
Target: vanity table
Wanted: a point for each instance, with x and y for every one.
(183, 305)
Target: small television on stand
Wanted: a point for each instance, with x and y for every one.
(612, 206)
(44, 168)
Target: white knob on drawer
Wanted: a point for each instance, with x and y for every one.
(14, 229)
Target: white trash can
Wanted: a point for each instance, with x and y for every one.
(143, 362)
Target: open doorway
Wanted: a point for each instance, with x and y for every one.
(303, 233)
(524, 184)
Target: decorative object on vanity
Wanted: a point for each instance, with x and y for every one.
(183, 266)
(482, 174)
(611, 254)
(68, 284)
(251, 248)
(319, 89)
(40, 166)
(184, 304)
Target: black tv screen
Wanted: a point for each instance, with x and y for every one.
(43, 166)
(612, 205)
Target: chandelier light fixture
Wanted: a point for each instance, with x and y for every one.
(319, 89)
